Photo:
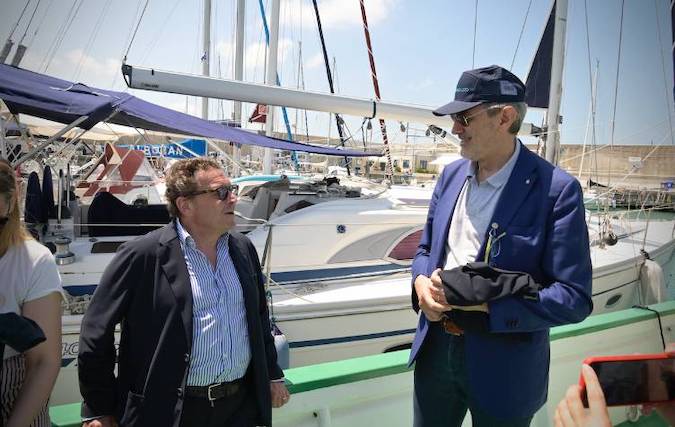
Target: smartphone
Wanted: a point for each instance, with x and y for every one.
(633, 379)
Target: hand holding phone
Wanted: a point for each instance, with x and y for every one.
(633, 379)
(570, 411)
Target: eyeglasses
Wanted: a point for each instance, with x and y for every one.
(223, 192)
(466, 120)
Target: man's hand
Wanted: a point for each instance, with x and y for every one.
(280, 394)
(431, 296)
(106, 421)
(570, 411)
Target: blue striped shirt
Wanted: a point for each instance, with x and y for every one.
(220, 347)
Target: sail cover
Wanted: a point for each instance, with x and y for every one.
(62, 101)
(539, 79)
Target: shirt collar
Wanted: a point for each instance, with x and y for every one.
(503, 174)
(188, 240)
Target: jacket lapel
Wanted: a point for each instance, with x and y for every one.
(172, 262)
(242, 265)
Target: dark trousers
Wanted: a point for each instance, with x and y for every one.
(441, 387)
(238, 410)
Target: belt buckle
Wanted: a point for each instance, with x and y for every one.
(209, 389)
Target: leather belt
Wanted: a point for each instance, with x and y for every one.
(451, 327)
(214, 391)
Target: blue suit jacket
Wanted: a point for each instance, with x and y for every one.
(541, 211)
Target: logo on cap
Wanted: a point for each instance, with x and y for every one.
(508, 88)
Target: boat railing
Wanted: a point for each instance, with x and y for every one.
(357, 391)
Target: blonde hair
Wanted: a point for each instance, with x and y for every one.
(180, 180)
(13, 233)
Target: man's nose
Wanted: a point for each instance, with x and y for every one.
(457, 127)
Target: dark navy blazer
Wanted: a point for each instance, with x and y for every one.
(146, 288)
(541, 212)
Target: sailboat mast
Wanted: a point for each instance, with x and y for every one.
(239, 76)
(383, 128)
(555, 94)
(206, 49)
(271, 78)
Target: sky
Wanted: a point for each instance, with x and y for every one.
(420, 47)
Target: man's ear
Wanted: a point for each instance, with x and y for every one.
(184, 205)
(508, 116)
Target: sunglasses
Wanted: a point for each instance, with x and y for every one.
(466, 120)
(223, 192)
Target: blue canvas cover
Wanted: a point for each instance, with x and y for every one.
(62, 101)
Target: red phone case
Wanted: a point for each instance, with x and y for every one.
(619, 358)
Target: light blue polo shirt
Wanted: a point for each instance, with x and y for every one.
(475, 207)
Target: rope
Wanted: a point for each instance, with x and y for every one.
(133, 36)
(338, 120)
(30, 21)
(520, 37)
(593, 93)
(475, 26)
(128, 33)
(616, 82)
(42, 20)
(92, 38)
(151, 46)
(389, 172)
(658, 318)
(18, 20)
(61, 34)
(663, 67)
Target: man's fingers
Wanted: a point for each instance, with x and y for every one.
(436, 278)
(596, 398)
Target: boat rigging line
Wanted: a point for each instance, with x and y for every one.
(520, 37)
(475, 27)
(133, 35)
(338, 123)
(9, 43)
(663, 67)
(616, 85)
(61, 34)
(594, 90)
(389, 171)
(92, 38)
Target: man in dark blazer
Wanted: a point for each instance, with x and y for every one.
(195, 345)
(503, 205)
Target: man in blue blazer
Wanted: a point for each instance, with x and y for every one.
(504, 205)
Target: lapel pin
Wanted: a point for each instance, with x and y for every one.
(527, 181)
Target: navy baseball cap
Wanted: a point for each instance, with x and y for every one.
(487, 84)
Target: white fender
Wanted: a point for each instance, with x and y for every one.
(653, 283)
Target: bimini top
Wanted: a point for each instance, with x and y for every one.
(62, 101)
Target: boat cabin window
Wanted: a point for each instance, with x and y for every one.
(405, 249)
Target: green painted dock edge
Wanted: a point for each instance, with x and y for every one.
(346, 371)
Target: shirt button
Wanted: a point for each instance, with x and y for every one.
(186, 357)
(179, 392)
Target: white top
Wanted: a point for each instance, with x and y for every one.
(475, 208)
(28, 272)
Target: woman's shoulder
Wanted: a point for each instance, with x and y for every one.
(36, 250)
